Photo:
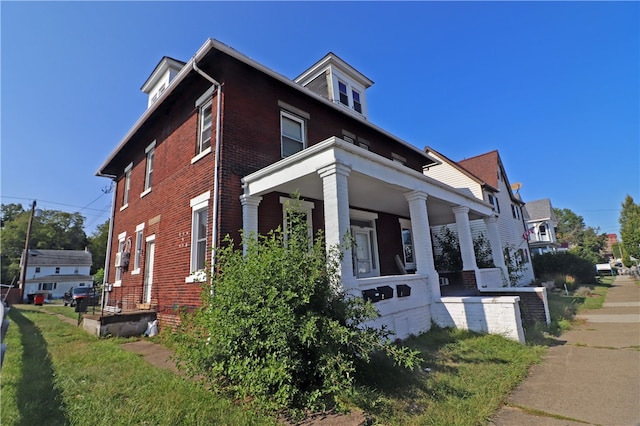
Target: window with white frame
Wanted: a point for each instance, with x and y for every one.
(301, 207)
(357, 105)
(121, 243)
(199, 225)
(407, 244)
(293, 133)
(343, 94)
(365, 240)
(127, 185)
(148, 175)
(205, 119)
(543, 231)
(137, 256)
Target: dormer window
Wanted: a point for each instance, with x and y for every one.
(357, 105)
(344, 97)
(339, 82)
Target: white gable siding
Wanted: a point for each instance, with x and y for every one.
(455, 178)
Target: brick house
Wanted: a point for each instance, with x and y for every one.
(223, 144)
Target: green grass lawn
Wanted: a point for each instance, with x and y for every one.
(55, 373)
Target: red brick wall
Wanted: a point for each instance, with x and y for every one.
(250, 140)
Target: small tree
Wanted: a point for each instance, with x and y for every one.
(275, 325)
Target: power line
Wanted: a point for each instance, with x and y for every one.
(59, 204)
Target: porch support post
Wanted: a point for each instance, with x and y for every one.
(250, 205)
(465, 238)
(496, 246)
(335, 188)
(423, 249)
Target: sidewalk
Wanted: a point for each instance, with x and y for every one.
(592, 376)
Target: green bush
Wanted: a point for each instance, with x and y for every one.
(275, 326)
(568, 264)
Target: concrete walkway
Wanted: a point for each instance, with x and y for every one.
(592, 376)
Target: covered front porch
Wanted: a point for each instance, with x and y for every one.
(388, 210)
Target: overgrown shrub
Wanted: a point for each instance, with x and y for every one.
(552, 264)
(275, 326)
(449, 257)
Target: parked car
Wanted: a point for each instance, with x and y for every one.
(76, 293)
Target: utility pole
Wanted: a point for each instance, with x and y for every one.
(25, 258)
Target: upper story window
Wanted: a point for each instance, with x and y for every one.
(494, 202)
(37, 269)
(357, 105)
(543, 231)
(127, 185)
(57, 269)
(205, 124)
(344, 96)
(293, 133)
(150, 151)
(76, 270)
(515, 211)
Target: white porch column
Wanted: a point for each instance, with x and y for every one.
(423, 249)
(335, 188)
(465, 238)
(496, 246)
(250, 205)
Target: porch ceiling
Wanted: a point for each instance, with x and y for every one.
(375, 183)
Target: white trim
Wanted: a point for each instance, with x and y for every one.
(206, 96)
(200, 199)
(151, 237)
(294, 110)
(201, 155)
(361, 214)
(137, 248)
(149, 147)
(145, 192)
(121, 240)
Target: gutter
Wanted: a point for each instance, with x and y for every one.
(216, 180)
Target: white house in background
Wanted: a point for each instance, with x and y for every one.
(541, 224)
(57, 271)
(484, 177)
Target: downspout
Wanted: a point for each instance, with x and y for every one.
(107, 258)
(216, 183)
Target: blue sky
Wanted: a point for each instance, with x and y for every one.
(553, 86)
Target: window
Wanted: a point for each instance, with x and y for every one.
(357, 105)
(199, 239)
(199, 222)
(76, 270)
(515, 211)
(543, 231)
(37, 269)
(344, 96)
(407, 244)
(121, 244)
(150, 151)
(365, 250)
(127, 185)
(137, 257)
(47, 286)
(494, 201)
(305, 208)
(57, 269)
(204, 130)
(293, 134)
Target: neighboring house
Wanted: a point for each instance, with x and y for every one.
(541, 226)
(484, 177)
(220, 150)
(56, 271)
